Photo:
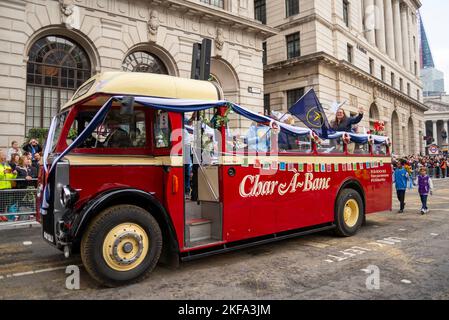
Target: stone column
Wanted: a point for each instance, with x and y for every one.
(389, 28)
(410, 40)
(447, 132)
(380, 25)
(405, 37)
(435, 131)
(397, 31)
(370, 21)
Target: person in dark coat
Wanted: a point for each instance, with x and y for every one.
(25, 173)
(345, 123)
(33, 147)
(15, 158)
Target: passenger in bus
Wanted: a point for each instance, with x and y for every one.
(345, 123)
(138, 138)
(286, 141)
(259, 137)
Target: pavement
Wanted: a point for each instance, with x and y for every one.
(395, 256)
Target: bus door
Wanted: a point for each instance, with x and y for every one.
(247, 211)
(203, 207)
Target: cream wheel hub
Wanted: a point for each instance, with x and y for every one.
(125, 247)
(351, 213)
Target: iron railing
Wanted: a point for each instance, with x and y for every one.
(18, 203)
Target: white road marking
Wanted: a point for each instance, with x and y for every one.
(406, 281)
(434, 234)
(402, 229)
(27, 243)
(357, 250)
(27, 273)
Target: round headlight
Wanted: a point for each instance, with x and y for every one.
(66, 196)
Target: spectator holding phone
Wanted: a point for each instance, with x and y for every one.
(33, 147)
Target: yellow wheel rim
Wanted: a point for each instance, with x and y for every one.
(351, 213)
(125, 247)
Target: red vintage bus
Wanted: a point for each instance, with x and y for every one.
(142, 168)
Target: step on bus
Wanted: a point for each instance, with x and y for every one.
(141, 168)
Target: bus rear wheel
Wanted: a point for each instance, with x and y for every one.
(122, 245)
(349, 214)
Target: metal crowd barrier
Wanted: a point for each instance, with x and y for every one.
(18, 204)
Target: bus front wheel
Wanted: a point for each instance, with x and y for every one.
(122, 245)
(349, 213)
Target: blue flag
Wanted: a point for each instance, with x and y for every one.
(308, 109)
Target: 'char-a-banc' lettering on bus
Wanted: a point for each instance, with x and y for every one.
(251, 186)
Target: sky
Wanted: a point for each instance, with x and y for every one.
(435, 15)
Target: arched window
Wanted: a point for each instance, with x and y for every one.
(141, 61)
(56, 68)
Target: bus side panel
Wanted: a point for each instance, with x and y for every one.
(378, 189)
(95, 179)
(245, 217)
(258, 204)
(173, 184)
(303, 207)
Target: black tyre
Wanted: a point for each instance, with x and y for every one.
(122, 245)
(349, 214)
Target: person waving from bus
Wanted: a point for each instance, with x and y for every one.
(259, 137)
(345, 123)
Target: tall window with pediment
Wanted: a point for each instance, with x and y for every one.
(141, 61)
(56, 68)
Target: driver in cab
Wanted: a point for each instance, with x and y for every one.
(117, 137)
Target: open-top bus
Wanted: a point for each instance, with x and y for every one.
(116, 180)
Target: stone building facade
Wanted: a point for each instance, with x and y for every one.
(49, 47)
(362, 51)
(437, 120)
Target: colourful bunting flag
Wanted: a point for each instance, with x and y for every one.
(282, 166)
(291, 166)
(309, 167)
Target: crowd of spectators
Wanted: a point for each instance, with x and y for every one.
(19, 169)
(436, 166)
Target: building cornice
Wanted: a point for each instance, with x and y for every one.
(355, 37)
(344, 66)
(220, 16)
(417, 3)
